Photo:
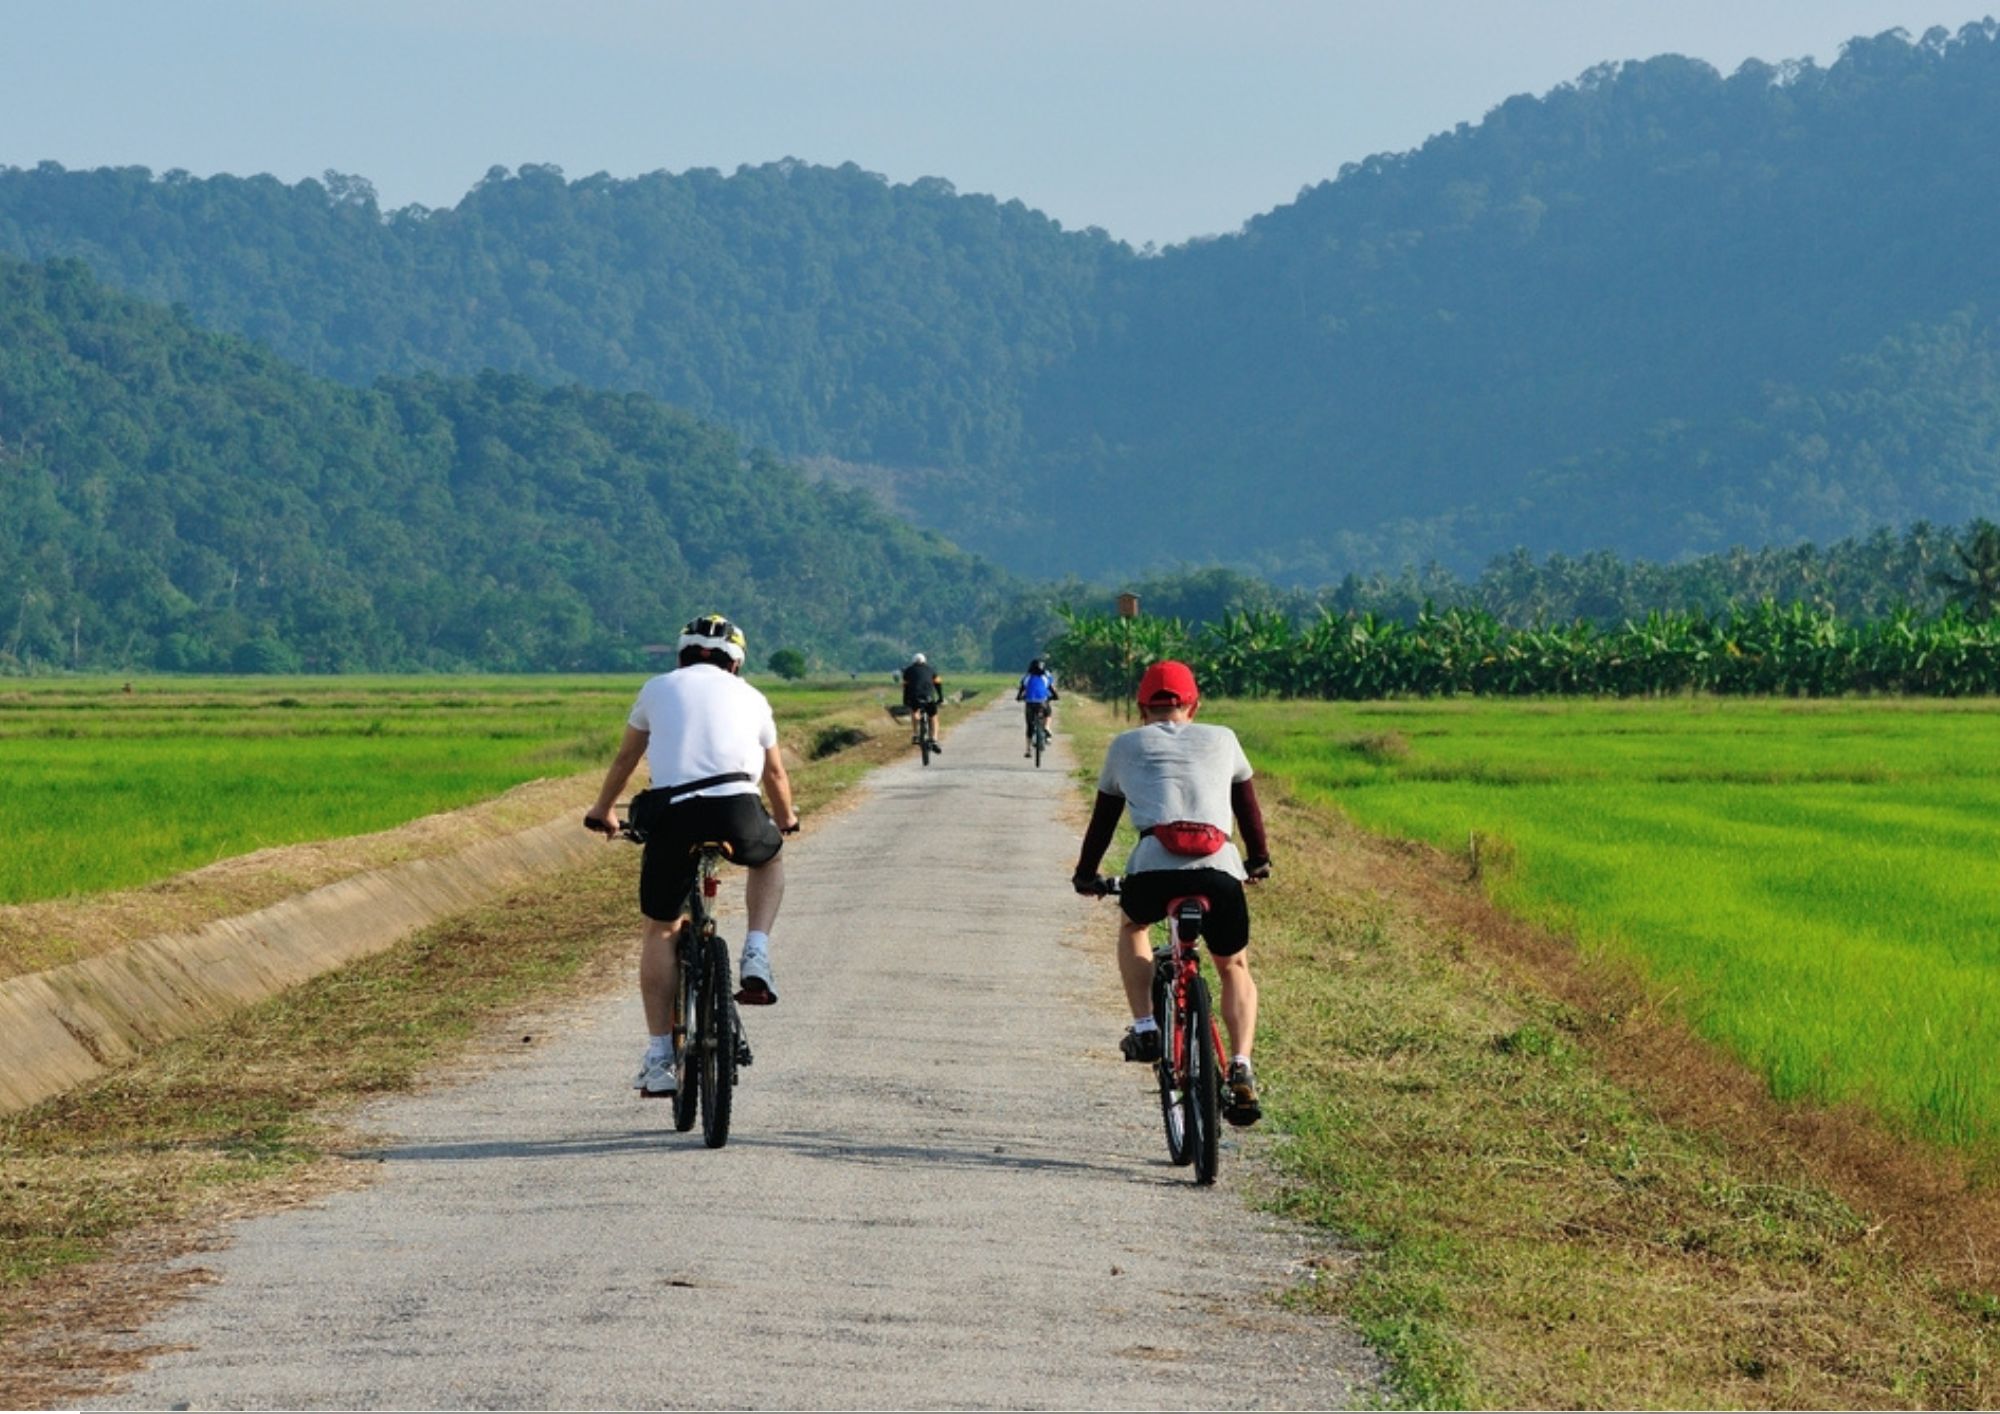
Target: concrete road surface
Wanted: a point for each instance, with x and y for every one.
(943, 1188)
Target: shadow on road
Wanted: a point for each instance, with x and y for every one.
(943, 1154)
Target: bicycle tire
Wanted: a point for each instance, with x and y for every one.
(1041, 740)
(687, 1097)
(924, 746)
(1173, 1103)
(1204, 1084)
(718, 1045)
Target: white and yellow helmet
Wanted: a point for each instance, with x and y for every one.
(716, 634)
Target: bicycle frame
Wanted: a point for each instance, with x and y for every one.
(707, 1062)
(1186, 918)
(1189, 1083)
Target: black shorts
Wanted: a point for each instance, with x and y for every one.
(667, 871)
(1145, 897)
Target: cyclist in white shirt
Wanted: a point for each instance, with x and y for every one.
(709, 741)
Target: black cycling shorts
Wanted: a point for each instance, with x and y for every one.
(667, 871)
(1145, 897)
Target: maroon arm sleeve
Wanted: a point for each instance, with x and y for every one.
(1243, 800)
(1097, 838)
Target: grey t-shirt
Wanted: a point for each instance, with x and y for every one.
(1169, 771)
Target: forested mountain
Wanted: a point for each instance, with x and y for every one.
(179, 499)
(1658, 310)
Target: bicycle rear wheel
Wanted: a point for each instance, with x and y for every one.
(1204, 1084)
(1041, 741)
(717, 1045)
(688, 1068)
(1173, 1100)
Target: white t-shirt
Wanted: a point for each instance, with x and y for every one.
(1170, 771)
(704, 722)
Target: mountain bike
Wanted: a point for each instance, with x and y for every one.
(1038, 735)
(1189, 1069)
(925, 721)
(709, 1044)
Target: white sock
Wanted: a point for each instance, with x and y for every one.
(1241, 1060)
(1142, 1024)
(659, 1046)
(754, 941)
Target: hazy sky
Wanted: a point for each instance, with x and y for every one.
(1155, 119)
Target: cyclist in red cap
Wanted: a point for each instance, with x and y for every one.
(1183, 781)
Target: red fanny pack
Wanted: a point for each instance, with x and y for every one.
(1190, 838)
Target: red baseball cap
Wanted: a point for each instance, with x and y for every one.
(1169, 679)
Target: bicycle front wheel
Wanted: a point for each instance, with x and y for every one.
(1203, 1083)
(717, 1045)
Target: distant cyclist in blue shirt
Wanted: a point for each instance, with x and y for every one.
(1037, 690)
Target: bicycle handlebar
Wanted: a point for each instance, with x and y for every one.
(625, 831)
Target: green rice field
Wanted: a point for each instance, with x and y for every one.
(104, 788)
(1815, 885)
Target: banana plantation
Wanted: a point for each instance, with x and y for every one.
(1795, 651)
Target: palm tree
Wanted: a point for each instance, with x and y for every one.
(1977, 590)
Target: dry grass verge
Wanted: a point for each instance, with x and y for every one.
(1569, 1200)
(103, 1185)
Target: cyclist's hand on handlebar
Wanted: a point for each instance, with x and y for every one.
(605, 824)
(1258, 869)
(792, 828)
(1090, 883)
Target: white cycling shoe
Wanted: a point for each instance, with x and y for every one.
(754, 986)
(656, 1079)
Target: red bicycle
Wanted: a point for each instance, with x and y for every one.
(1189, 1067)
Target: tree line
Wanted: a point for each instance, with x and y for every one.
(1928, 624)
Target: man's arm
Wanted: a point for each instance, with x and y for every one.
(778, 790)
(630, 752)
(1249, 815)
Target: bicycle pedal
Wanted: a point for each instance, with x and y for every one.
(743, 1056)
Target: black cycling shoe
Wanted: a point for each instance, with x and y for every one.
(1141, 1046)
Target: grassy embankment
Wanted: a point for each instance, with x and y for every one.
(1565, 1195)
(247, 1112)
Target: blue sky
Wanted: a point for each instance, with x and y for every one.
(1155, 119)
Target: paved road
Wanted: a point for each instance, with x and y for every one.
(943, 1188)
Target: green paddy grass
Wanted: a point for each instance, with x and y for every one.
(103, 788)
(1816, 886)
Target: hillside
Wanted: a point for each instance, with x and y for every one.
(1532, 331)
(1657, 310)
(814, 309)
(178, 499)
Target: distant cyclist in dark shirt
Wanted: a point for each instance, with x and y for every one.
(1037, 691)
(923, 690)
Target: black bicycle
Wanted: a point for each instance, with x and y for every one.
(926, 724)
(1190, 1065)
(1038, 735)
(709, 1043)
